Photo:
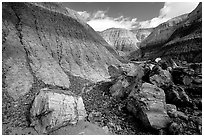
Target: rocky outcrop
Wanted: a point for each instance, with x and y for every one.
(179, 38)
(52, 109)
(122, 40)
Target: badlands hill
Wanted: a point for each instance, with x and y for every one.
(179, 38)
(46, 45)
(122, 40)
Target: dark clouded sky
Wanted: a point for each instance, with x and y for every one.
(129, 15)
(141, 10)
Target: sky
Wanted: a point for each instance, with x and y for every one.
(129, 15)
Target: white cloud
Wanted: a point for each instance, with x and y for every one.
(173, 9)
(100, 21)
(170, 10)
(153, 22)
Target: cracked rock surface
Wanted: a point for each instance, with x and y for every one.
(52, 109)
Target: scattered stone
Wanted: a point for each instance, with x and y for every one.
(52, 109)
(197, 80)
(105, 128)
(174, 128)
(171, 110)
(148, 104)
(176, 95)
(161, 78)
(94, 117)
(187, 80)
(157, 60)
(177, 75)
(183, 76)
(163, 64)
(146, 70)
(119, 88)
(182, 115)
(113, 71)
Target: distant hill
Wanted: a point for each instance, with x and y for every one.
(179, 38)
(122, 40)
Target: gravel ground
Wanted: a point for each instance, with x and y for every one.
(112, 113)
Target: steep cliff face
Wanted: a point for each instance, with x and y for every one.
(142, 33)
(46, 45)
(122, 40)
(179, 38)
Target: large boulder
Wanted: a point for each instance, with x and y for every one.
(130, 77)
(148, 105)
(52, 109)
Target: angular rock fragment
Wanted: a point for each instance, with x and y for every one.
(182, 76)
(171, 110)
(148, 104)
(119, 88)
(176, 95)
(173, 113)
(161, 78)
(132, 70)
(113, 71)
(174, 128)
(52, 109)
